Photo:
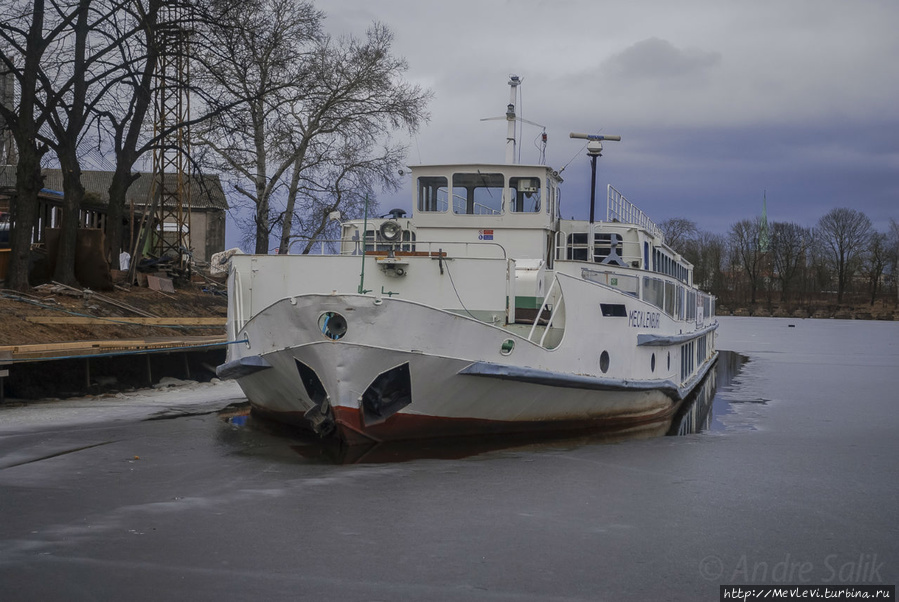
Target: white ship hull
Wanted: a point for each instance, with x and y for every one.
(449, 374)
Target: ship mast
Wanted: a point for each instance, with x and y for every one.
(511, 118)
(514, 82)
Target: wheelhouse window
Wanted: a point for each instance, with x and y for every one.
(478, 193)
(525, 194)
(433, 193)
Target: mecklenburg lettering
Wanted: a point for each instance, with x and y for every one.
(644, 319)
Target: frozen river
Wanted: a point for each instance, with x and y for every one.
(155, 496)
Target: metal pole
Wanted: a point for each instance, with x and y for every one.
(592, 188)
(362, 290)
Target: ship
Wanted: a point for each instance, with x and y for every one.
(483, 312)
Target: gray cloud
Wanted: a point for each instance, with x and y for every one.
(654, 59)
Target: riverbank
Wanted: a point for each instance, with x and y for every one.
(880, 310)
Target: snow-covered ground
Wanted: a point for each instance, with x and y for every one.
(171, 397)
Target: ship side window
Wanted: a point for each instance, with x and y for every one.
(478, 193)
(577, 246)
(525, 194)
(691, 306)
(670, 292)
(654, 291)
(433, 193)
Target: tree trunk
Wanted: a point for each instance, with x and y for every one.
(122, 179)
(262, 227)
(287, 222)
(68, 230)
(24, 214)
(28, 171)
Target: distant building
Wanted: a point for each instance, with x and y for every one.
(205, 215)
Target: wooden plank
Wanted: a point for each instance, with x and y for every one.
(87, 348)
(195, 321)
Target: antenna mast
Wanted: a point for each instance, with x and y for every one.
(514, 82)
(511, 118)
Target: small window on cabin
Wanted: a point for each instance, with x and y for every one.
(525, 194)
(478, 193)
(408, 241)
(433, 193)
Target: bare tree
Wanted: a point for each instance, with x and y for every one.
(125, 112)
(744, 237)
(66, 79)
(789, 250)
(893, 253)
(141, 29)
(874, 261)
(678, 231)
(844, 234)
(345, 182)
(259, 51)
(357, 98)
(25, 37)
(707, 252)
(313, 98)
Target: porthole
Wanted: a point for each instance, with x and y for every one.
(332, 325)
(652, 363)
(604, 362)
(507, 347)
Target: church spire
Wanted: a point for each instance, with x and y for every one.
(764, 234)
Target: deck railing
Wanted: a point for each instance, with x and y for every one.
(620, 209)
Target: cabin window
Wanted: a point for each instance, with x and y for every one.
(478, 193)
(433, 193)
(577, 246)
(525, 194)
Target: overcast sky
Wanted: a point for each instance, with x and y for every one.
(716, 101)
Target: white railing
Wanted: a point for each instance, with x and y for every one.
(470, 249)
(620, 209)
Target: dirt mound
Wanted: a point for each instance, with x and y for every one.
(24, 316)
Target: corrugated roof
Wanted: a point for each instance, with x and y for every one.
(205, 192)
